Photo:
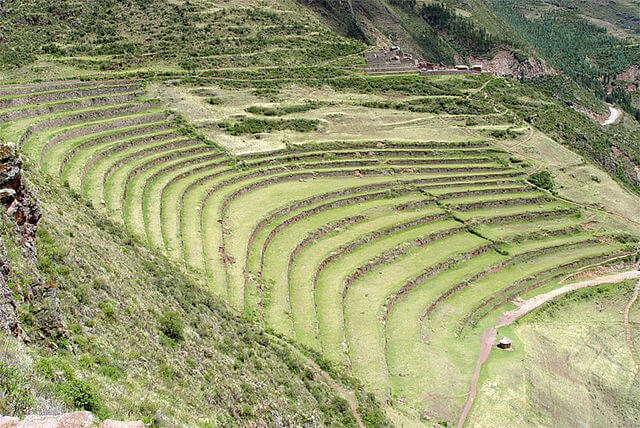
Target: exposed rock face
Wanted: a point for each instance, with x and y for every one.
(18, 203)
(619, 162)
(9, 323)
(8, 421)
(67, 420)
(508, 63)
(22, 209)
(631, 77)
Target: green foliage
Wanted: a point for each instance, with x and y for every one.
(81, 395)
(542, 179)
(457, 106)
(114, 35)
(405, 4)
(255, 126)
(285, 109)
(171, 325)
(459, 31)
(16, 397)
(370, 411)
(51, 260)
(584, 51)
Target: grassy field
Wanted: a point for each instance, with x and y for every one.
(570, 365)
(385, 239)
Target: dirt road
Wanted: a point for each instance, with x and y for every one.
(526, 306)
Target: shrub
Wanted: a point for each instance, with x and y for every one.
(542, 179)
(171, 325)
(254, 126)
(81, 395)
(15, 394)
(107, 309)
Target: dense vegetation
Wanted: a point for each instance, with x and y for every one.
(255, 126)
(110, 34)
(461, 32)
(587, 53)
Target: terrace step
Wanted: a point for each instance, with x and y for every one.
(379, 254)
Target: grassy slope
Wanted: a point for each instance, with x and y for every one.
(110, 312)
(570, 365)
(113, 293)
(115, 35)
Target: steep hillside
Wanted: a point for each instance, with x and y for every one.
(217, 220)
(114, 35)
(419, 219)
(594, 44)
(115, 328)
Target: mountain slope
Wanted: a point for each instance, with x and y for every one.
(234, 217)
(140, 339)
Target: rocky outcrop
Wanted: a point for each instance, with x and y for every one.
(619, 162)
(25, 214)
(22, 210)
(19, 205)
(9, 323)
(511, 64)
(630, 77)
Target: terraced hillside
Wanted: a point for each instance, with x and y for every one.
(388, 256)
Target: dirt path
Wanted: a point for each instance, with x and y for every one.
(614, 116)
(526, 306)
(480, 89)
(347, 395)
(486, 344)
(627, 327)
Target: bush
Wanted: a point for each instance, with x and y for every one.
(81, 395)
(542, 179)
(15, 394)
(254, 126)
(171, 325)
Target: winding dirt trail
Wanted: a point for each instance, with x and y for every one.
(627, 327)
(486, 344)
(526, 306)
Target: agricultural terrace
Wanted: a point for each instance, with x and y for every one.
(384, 232)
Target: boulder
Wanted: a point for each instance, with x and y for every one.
(8, 421)
(66, 420)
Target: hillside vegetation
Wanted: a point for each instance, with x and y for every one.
(114, 35)
(435, 222)
(239, 228)
(146, 341)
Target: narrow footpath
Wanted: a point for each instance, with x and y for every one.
(627, 327)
